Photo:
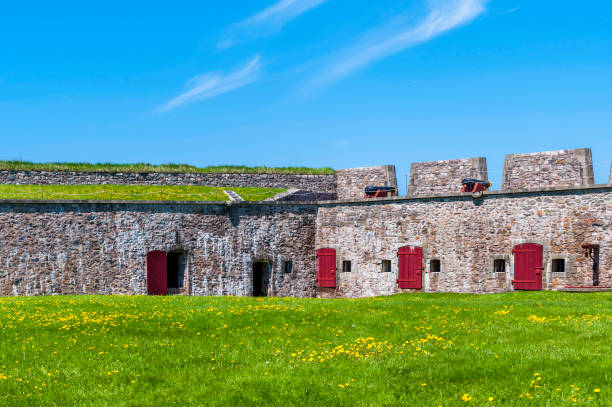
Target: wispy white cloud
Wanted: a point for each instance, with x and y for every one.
(267, 22)
(211, 84)
(511, 10)
(393, 38)
(342, 144)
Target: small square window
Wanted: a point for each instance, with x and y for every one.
(386, 266)
(434, 266)
(287, 266)
(558, 266)
(346, 266)
(499, 266)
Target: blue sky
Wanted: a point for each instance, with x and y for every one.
(305, 82)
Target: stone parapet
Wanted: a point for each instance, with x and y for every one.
(319, 183)
(351, 182)
(444, 177)
(534, 171)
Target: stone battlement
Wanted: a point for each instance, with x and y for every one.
(444, 177)
(351, 182)
(522, 172)
(563, 168)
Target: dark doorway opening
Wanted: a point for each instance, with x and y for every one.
(261, 278)
(176, 265)
(596, 266)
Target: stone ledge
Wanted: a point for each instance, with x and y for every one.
(466, 196)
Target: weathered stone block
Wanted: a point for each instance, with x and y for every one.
(444, 177)
(352, 181)
(549, 169)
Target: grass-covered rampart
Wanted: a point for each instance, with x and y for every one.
(515, 349)
(144, 167)
(132, 192)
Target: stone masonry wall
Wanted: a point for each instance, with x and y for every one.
(444, 177)
(550, 169)
(323, 183)
(467, 235)
(100, 248)
(352, 181)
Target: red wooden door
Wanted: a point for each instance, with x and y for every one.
(326, 271)
(157, 275)
(410, 259)
(527, 266)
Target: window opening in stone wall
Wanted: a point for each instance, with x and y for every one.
(346, 266)
(386, 266)
(434, 266)
(499, 266)
(176, 262)
(261, 278)
(558, 266)
(287, 266)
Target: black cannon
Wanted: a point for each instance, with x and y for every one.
(474, 185)
(379, 191)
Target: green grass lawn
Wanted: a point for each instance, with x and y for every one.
(144, 167)
(533, 349)
(132, 192)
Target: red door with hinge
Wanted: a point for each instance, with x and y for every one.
(410, 259)
(157, 276)
(326, 271)
(527, 266)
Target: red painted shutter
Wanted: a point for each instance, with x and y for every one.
(528, 266)
(326, 271)
(157, 276)
(410, 259)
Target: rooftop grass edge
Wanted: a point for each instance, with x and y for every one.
(11, 165)
(175, 193)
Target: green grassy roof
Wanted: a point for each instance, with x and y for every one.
(132, 192)
(144, 167)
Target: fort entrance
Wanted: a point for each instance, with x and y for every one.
(527, 267)
(176, 263)
(261, 278)
(165, 272)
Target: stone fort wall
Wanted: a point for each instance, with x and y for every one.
(86, 247)
(70, 247)
(467, 235)
(100, 248)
